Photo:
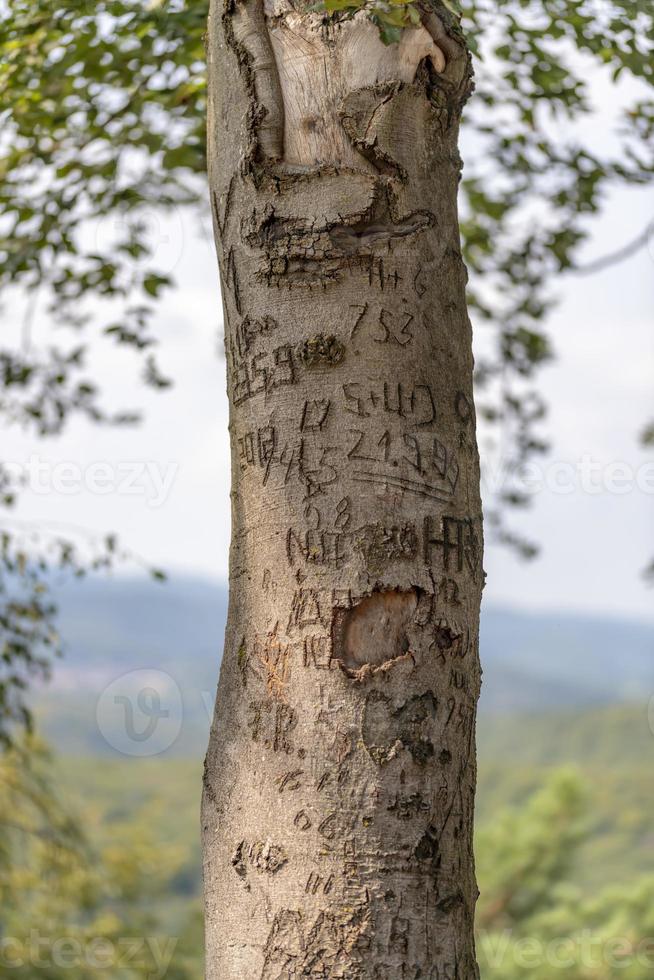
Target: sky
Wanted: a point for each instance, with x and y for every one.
(164, 486)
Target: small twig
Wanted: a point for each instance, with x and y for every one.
(28, 319)
(619, 256)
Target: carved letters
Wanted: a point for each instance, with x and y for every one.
(351, 667)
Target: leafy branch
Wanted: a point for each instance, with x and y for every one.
(391, 17)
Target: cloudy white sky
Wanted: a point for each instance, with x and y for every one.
(593, 513)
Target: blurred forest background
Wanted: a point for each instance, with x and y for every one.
(106, 684)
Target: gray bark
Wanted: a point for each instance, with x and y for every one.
(340, 776)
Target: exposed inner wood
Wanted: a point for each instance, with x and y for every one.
(319, 65)
(374, 633)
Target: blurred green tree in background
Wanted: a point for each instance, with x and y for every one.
(75, 904)
(534, 920)
(102, 107)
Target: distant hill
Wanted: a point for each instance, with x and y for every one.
(117, 624)
(563, 659)
(532, 662)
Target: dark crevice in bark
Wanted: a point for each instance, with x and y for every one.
(359, 239)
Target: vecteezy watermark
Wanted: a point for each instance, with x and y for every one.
(151, 955)
(650, 714)
(586, 950)
(160, 237)
(140, 713)
(142, 478)
(584, 475)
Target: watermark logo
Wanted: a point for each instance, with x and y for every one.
(590, 953)
(586, 475)
(149, 956)
(141, 713)
(150, 479)
(155, 238)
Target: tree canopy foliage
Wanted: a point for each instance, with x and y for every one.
(75, 904)
(534, 921)
(103, 118)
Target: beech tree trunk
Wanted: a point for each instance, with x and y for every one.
(340, 776)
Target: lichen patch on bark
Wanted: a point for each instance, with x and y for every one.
(321, 351)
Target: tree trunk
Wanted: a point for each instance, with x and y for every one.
(340, 776)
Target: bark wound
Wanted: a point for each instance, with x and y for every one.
(357, 239)
(388, 730)
(372, 636)
(263, 857)
(317, 72)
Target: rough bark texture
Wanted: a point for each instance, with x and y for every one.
(339, 784)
